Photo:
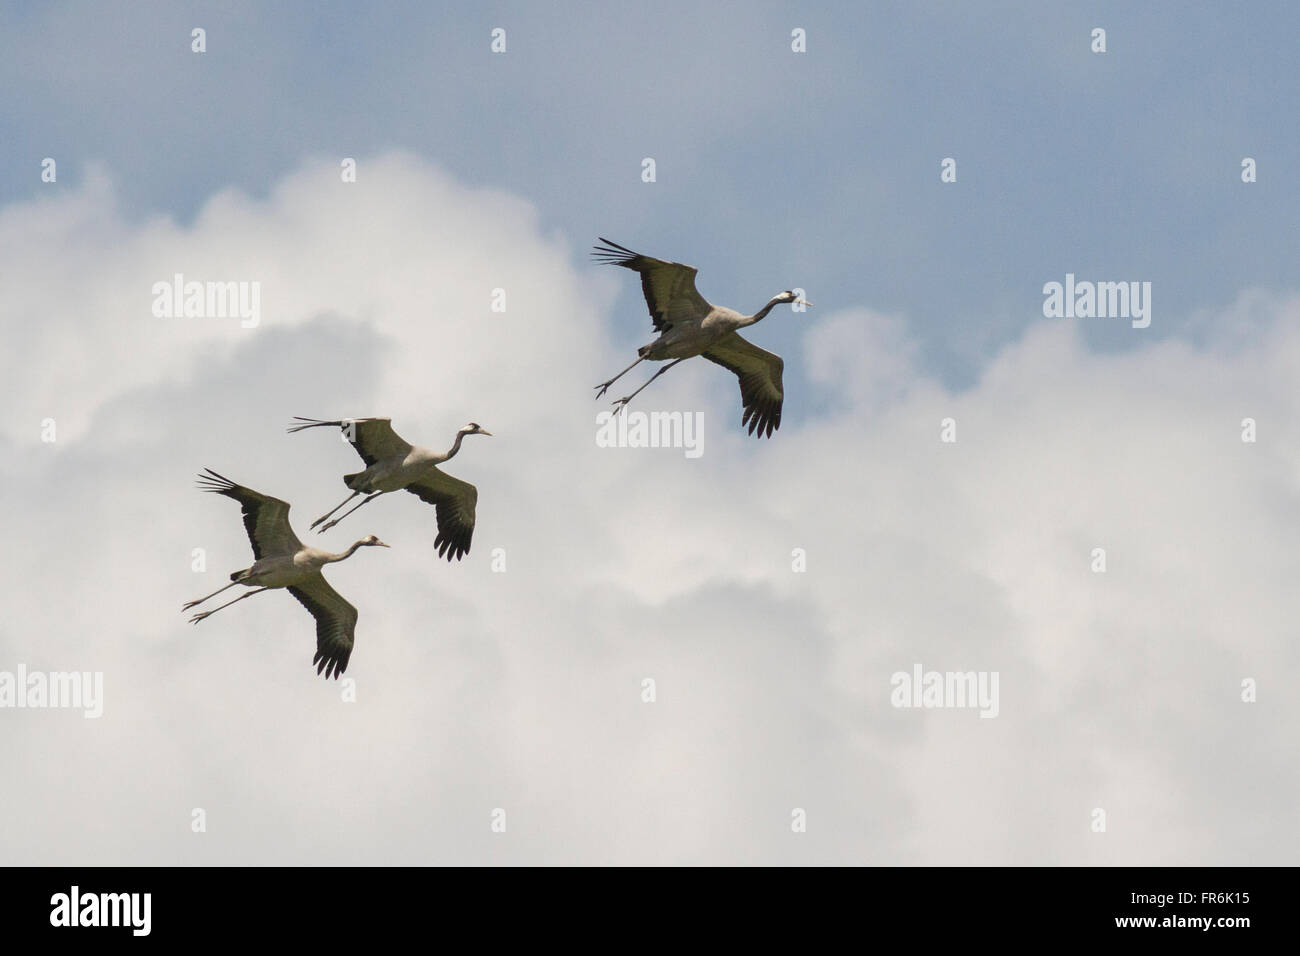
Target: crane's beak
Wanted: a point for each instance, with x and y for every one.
(803, 302)
(482, 431)
(380, 544)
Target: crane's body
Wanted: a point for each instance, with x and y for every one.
(393, 464)
(394, 474)
(688, 326)
(282, 570)
(283, 561)
(690, 337)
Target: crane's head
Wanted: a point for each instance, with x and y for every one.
(473, 429)
(789, 296)
(370, 541)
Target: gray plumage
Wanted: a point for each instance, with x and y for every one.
(688, 326)
(393, 464)
(283, 561)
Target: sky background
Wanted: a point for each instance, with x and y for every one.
(522, 690)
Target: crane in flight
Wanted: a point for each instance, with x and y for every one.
(285, 562)
(690, 326)
(393, 464)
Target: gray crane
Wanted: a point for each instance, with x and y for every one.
(393, 464)
(285, 562)
(690, 326)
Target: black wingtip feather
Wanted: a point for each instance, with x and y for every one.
(330, 666)
(761, 425)
(615, 254)
(451, 549)
(209, 480)
(308, 423)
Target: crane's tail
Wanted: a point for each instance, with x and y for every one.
(348, 479)
(310, 423)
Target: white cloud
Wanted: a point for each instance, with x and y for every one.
(522, 690)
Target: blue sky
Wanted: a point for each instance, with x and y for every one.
(774, 169)
(480, 688)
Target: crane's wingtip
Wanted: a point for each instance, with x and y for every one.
(612, 252)
(304, 423)
(209, 480)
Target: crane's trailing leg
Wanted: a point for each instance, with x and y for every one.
(622, 402)
(198, 617)
(186, 607)
(336, 507)
(329, 524)
(604, 387)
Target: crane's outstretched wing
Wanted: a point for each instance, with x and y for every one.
(669, 287)
(759, 372)
(373, 438)
(336, 624)
(455, 501)
(266, 519)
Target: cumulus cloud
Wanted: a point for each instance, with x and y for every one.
(522, 690)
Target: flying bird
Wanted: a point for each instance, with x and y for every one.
(690, 326)
(393, 464)
(285, 562)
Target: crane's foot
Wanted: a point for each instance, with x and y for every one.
(198, 617)
(603, 388)
(325, 527)
(317, 521)
(621, 404)
(186, 607)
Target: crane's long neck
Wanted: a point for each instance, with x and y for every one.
(455, 447)
(348, 553)
(761, 314)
